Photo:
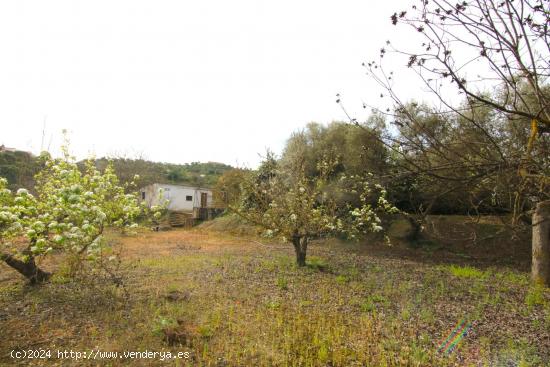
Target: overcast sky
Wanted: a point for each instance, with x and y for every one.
(181, 81)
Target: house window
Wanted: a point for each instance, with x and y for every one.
(143, 195)
(189, 198)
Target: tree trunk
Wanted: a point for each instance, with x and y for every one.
(416, 225)
(300, 247)
(540, 270)
(26, 268)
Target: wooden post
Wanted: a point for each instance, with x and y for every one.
(540, 270)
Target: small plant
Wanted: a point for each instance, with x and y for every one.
(172, 288)
(306, 303)
(467, 272)
(405, 314)
(517, 353)
(515, 278)
(353, 273)
(282, 283)
(427, 315)
(535, 297)
(317, 263)
(62, 275)
(342, 279)
(323, 353)
(269, 265)
(273, 305)
(368, 306)
(205, 331)
(372, 301)
(161, 324)
(380, 299)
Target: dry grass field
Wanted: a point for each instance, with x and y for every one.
(231, 300)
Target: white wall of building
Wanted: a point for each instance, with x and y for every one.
(180, 198)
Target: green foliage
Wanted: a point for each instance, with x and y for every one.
(19, 168)
(374, 302)
(535, 296)
(317, 263)
(205, 331)
(355, 150)
(282, 283)
(467, 272)
(342, 279)
(161, 324)
(273, 305)
(228, 188)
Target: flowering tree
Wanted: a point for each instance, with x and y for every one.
(68, 214)
(300, 208)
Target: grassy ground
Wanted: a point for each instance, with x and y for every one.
(233, 301)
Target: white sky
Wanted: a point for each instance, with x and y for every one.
(182, 81)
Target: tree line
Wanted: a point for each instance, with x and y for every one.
(19, 169)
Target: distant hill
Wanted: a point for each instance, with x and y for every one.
(195, 173)
(19, 168)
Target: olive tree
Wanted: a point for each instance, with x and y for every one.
(67, 214)
(299, 208)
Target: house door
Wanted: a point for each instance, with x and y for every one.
(204, 199)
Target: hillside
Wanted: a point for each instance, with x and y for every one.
(19, 168)
(195, 173)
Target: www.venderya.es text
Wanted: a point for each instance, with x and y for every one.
(95, 354)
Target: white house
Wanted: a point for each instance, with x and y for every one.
(179, 198)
